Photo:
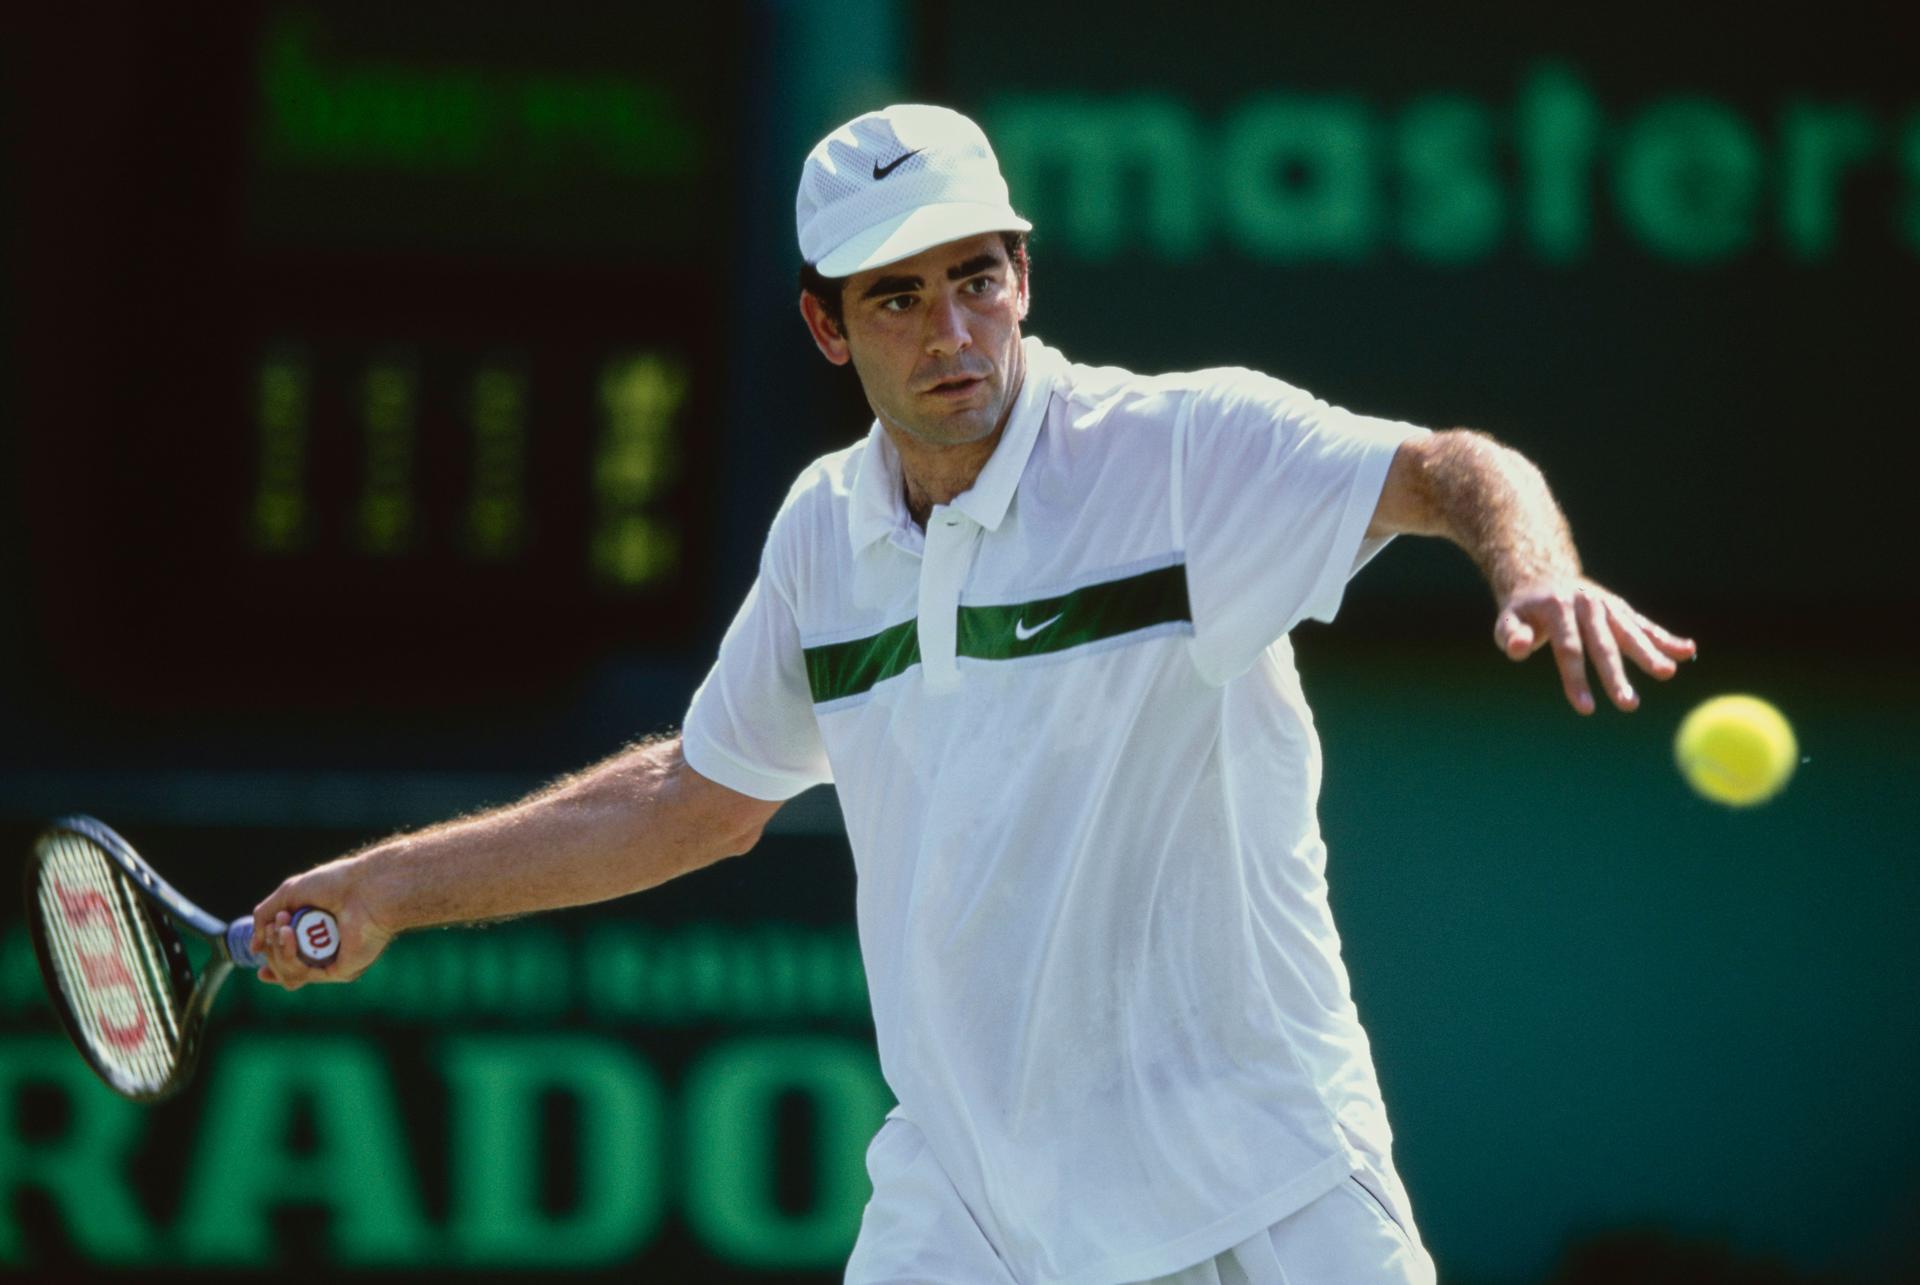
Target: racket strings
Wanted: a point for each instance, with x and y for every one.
(152, 955)
(111, 964)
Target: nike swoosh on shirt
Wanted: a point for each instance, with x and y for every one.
(1023, 633)
(881, 171)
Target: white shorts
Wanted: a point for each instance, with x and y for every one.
(917, 1231)
(1361, 1233)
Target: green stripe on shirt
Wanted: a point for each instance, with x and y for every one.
(849, 668)
(1090, 614)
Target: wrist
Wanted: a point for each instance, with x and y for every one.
(1524, 570)
(379, 884)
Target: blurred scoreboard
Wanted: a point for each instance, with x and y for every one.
(368, 347)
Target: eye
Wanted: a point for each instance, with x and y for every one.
(897, 303)
(983, 285)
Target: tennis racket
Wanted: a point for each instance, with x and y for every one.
(107, 931)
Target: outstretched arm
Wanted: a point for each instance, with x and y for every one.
(635, 820)
(1492, 502)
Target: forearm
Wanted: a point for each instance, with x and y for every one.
(1493, 503)
(631, 822)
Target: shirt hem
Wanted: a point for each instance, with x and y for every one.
(1220, 1236)
(714, 763)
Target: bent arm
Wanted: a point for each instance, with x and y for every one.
(1493, 502)
(631, 822)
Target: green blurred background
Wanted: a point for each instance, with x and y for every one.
(394, 399)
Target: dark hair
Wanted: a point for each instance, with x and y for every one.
(831, 291)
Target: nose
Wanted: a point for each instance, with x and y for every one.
(947, 331)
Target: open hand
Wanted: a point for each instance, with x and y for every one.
(1583, 621)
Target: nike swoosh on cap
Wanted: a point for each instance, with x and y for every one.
(881, 171)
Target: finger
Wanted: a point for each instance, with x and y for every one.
(274, 910)
(1571, 658)
(1515, 636)
(1638, 647)
(267, 944)
(263, 916)
(289, 970)
(1672, 644)
(1604, 651)
(274, 978)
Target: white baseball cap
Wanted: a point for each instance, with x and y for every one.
(889, 184)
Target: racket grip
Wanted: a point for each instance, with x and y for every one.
(316, 939)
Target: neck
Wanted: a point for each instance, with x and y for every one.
(933, 474)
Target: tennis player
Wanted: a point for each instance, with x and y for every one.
(1035, 629)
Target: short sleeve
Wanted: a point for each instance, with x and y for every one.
(1275, 490)
(751, 725)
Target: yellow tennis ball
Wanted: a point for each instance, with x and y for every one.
(1737, 750)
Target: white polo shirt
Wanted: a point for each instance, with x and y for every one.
(1079, 781)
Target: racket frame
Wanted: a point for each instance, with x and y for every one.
(159, 901)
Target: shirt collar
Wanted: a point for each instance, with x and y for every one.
(878, 507)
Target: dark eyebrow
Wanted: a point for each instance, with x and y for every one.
(892, 285)
(907, 285)
(978, 263)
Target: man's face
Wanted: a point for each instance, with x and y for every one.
(935, 339)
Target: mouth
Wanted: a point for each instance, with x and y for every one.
(957, 386)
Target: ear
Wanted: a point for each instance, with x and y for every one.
(826, 336)
(1026, 292)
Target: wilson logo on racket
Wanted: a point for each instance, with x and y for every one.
(105, 970)
(319, 935)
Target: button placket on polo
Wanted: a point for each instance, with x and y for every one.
(951, 539)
